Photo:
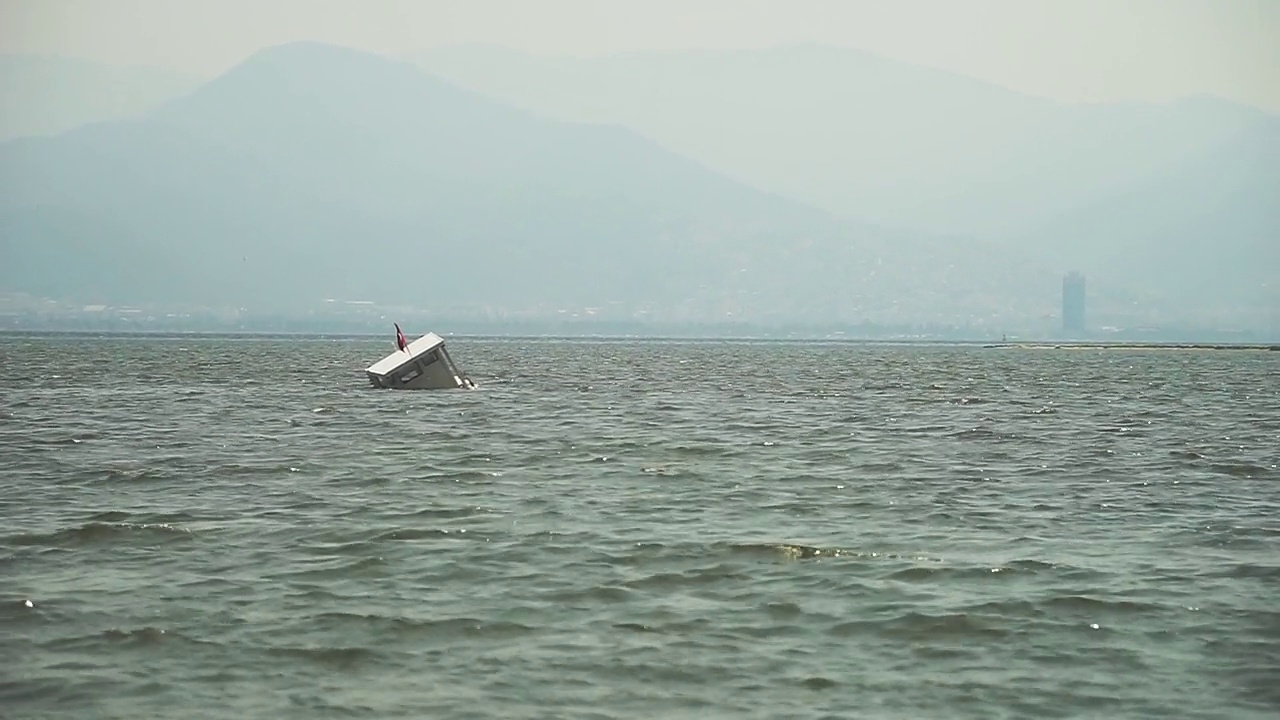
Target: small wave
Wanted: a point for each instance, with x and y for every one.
(110, 516)
(699, 451)
(1007, 608)
(634, 627)
(251, 469)
(601, 593)
(1088, 604)
(140, 636)
(788, 551)
(358, 567)
(1250, 570)
(72, 439)
(94, 533)
(1116, 429)
(818, 683)
(693, 577)
(411, 534)
(920, 573)
(924, 429)
(451, 512)
(1029, 565)
(784, 610)
(660, 470)
(400, 627)
(338, 658)
(130, 475)
(458, 476)
(143, 636)
(920, 626)
(976, 434)
(1249, 471)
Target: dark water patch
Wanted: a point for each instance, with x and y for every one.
(940, 573)
(64, 439)
(143, 638)
(138, 636)
(1084, 604)
(360, 567)
(1245, 470)
(334, 658)
(819, 683)
(593, 595)
(409, 534)
(969, 400)
(977, 434)
(43, 694)
(109, 516)
(694, 577)
(102, 534)
(408, 629)
(257, 469)
(449, 512)
(635, 627)
(1251, 571)
(922, 627)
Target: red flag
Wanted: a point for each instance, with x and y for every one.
(400, 341)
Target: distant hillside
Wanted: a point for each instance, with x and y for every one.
(863, 136)
(312, 172)
(48, 95)
(1200, 239)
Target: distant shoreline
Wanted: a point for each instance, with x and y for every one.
(1130, 345)
(295, 336)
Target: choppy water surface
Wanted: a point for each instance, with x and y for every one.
(242, 528)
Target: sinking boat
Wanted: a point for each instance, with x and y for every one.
(423, 364)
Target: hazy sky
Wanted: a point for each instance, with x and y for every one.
(1066, 49)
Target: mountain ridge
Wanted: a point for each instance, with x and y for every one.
(309, 171)
(860, 135)
(295, 169)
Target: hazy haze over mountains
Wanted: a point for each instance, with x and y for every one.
(48, 95)
(860, 135)
(797, 183)
(312, 171)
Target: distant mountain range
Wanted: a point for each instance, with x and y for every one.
(311, 172)
(860, 135)
(1172, 206)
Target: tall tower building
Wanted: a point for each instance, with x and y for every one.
(1073, 302)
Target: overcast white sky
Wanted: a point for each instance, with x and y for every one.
(1071, 50)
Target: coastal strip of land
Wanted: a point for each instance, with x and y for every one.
(1087, 345)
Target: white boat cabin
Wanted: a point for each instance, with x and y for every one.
(424, 365)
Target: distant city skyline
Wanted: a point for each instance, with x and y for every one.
(1072, 51)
